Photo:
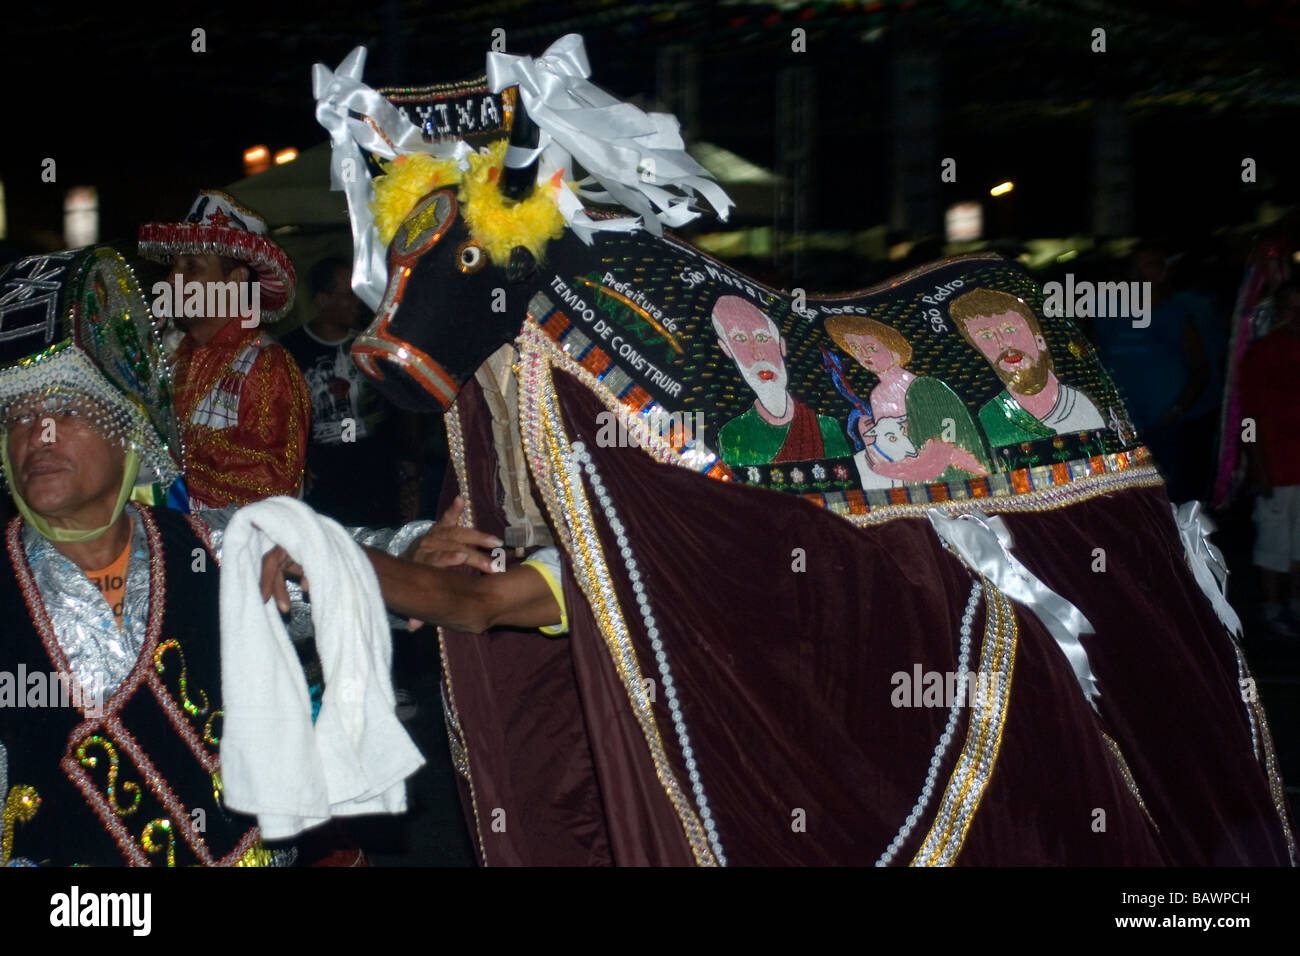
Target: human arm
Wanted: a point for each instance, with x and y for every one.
(519, 597)
(422, 587)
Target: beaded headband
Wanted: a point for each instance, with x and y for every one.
(75, 326)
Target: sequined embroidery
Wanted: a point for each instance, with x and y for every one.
(1036, 488)
(970, 777)
(546, 449)
(20, 806)
(152, 845)
(456, 740)
(1127, 774)
(191, 708)
(1259, 721)
(110, 727)
(91, 761)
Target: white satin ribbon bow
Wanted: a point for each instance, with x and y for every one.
(337, 92)
(1206, 560)
(638, 157)
(984, 545)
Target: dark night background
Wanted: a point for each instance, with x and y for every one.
(121, 102)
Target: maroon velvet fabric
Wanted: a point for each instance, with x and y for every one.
(783, 674)
(784, 678)
(1167, 670)
(534, 787)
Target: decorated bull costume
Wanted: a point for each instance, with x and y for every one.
(883, 577)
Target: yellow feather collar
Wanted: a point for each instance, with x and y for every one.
(496, 223)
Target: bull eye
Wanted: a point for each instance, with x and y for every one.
(470, 257)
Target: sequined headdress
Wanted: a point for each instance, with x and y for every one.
(218, 224)
(75, 325)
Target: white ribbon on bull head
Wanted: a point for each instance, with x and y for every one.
(337, 92)
(638, 157)
(1206, 560)
(984, 545)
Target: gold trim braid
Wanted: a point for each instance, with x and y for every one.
(456, 742)
(547, 450)
(970, 777)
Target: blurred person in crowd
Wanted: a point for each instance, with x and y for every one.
(243, 406)
(355, 459)
(1268, 266)
(1170, 373)
(1270, 436)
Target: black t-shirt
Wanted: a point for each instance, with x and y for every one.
(351, 454)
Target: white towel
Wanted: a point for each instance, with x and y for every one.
(274, 762)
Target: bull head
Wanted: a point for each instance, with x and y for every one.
(448, 306)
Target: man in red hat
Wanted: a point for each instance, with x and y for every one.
(243, 405)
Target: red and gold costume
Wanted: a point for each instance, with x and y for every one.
(245, 411)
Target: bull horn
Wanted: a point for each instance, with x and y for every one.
(520, 176)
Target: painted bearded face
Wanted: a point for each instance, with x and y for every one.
(1018, 356)
(756, 347)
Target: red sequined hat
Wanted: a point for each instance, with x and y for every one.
(217, 223)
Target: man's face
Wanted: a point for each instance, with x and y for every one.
(1019, 357)
(198, 268)
(204, 269)
(342, 305)
(758, 350)
(63, 467)
(871, 353)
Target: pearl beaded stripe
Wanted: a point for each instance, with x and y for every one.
(582, 458)
(558, 477)
(975, 765)
(941, 748)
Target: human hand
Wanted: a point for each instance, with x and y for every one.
(447, 545)
(276, 566)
